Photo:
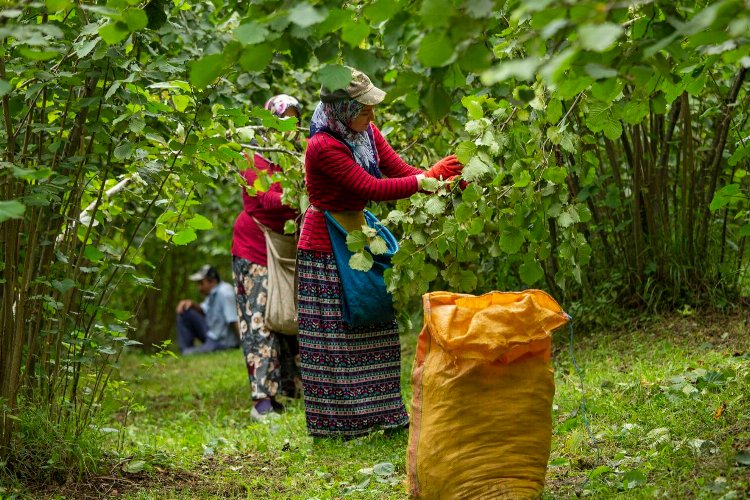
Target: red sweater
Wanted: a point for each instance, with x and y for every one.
(248, 241)
(336, 182)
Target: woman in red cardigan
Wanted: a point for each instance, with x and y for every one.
(272, 359)
(351, 375)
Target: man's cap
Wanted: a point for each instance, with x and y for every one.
(204, 272)
(361, 89)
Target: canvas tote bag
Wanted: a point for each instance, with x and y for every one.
(281, 304)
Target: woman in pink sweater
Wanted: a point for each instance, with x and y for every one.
(272, 359)
(351, 375)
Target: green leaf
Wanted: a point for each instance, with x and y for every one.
(477, 226)
(599, 37)
(250, 33)
(521, 69)
(136, 19)
(555, 175)
(353, 32)
(472, 193)
(464, 212)
(290, 227)
(356, 241)
(206, 69)
(565, 219)
(32, 174)
(511, 240)
(479, 9)
(554, 111)
(384, 469)
(57, 5)
(739, 154)
(635, 111)
(435, 205)
(598, 71)
(475, 169)
(429, 272)
(134, 466)
(11, 210)
(86, 48)
(114, 32)
(612, 129)
(334, 77)
(454, 78)
(38, 55)
(436, 13)
(361, 261)
(465, 151)
(570, 87)
(123, 151)
(93, 254)
(184, 237)
(304, 15)
(181, 102)
(435, 50)
(436, 102)
(381, 10)
(633, 479)
(530, 271)
(200, 222)
(743, 457)
(607, 90)
(523, 180)
(467, 281)
(378, 246)
(476, 58)
(726, 195)
(430, 185)
(256, 57)
(64, 285)
(5, 88)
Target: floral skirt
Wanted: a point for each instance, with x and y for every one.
(351, 376)
(272, 359)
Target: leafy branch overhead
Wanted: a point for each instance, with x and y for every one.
(605, 150)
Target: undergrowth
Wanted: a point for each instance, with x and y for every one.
(666, 415)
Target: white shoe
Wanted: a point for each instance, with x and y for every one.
(256, 416)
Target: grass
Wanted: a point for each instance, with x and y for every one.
(667, 405)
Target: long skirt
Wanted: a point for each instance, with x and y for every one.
(272, 359)
(351, 376)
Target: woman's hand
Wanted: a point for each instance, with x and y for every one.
(445, 168)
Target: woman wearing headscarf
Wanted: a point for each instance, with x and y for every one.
(351, 375)
(272, 359)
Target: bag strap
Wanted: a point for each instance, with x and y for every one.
(262, 226)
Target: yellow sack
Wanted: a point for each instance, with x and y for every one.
(482, 388)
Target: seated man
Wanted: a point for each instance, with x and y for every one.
(213, 321)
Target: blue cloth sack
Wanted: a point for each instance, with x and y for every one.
(365, 299)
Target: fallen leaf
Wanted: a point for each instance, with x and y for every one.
(720, 411)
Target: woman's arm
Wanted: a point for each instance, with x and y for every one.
(269, 200)
(391, 164)
(335, 160)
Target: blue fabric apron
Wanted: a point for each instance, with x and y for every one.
(366, 300)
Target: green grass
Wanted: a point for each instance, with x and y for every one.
(652, 397)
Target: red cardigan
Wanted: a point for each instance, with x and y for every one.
(248, 241)
(336, 182)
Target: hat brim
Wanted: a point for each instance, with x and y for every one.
(371, 97)
(197, 276)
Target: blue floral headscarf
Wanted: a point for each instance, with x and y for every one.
(335, 117)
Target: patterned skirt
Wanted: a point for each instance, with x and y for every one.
(272, 358)
(351, 376)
